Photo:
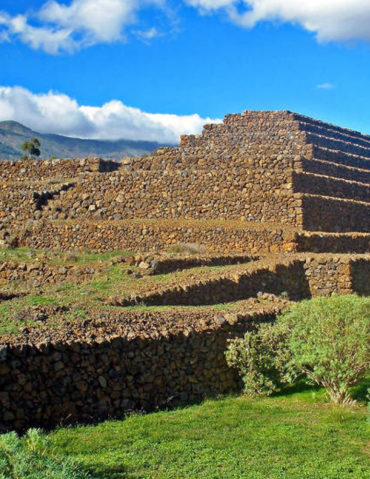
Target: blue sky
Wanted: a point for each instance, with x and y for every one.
(163, 68)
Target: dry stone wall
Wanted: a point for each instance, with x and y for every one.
(333, 243)
(258, 167)
(221, 237)
(295, 276)
(330, 214)
(114, 361)
(338, 188)
(119, 362)
(153, 235)
(240, 169)
(34, 274)
(322, 167)
(38, 170)
(346, 159)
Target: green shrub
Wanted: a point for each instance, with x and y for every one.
(258, 357)
(29, 457)
(324, 340)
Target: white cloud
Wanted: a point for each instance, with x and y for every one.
(147, 35)
(339, 20)
(57, 27)
(58, 113)
(325, 86)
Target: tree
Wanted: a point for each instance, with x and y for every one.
(32, 149)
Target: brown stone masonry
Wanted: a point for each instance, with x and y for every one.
(262, 167)
(118, 362)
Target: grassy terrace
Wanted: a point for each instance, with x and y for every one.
(296, 435)
(109, 279)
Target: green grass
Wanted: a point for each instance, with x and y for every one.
(296, 436)
(83, 258)
(28, 457)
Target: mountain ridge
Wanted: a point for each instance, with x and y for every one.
(13, 134)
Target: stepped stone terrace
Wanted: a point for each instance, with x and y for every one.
(259, 182)
(102, 309)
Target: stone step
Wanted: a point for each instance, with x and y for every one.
(341, 157)
(335, 144)
(328, 168)
(323, 124)
(330, 131)
(319, 242)
(315, 184)
(337, 215)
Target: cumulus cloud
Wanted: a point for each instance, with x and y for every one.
(339, 20)
(57, 27)
(60, 114)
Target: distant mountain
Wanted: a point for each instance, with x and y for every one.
(13, 135)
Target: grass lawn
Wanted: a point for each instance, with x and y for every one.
(295, 436)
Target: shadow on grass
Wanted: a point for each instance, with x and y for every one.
(298, 387)
(359, 393)
(113, 472)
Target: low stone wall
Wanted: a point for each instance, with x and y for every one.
(38, 170)
(164, 264)
(155, 235)
(334, 187)
(339, 157)
(321, 167)
(191, 193)
(325, 129)
(295, 276)
(329, 214)
(159, 235)
(82, 370)
(338, 144)
(326, 276)
(333, 242)
(269, 276)
(99, 369)
(34, 274)
(360, 272)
